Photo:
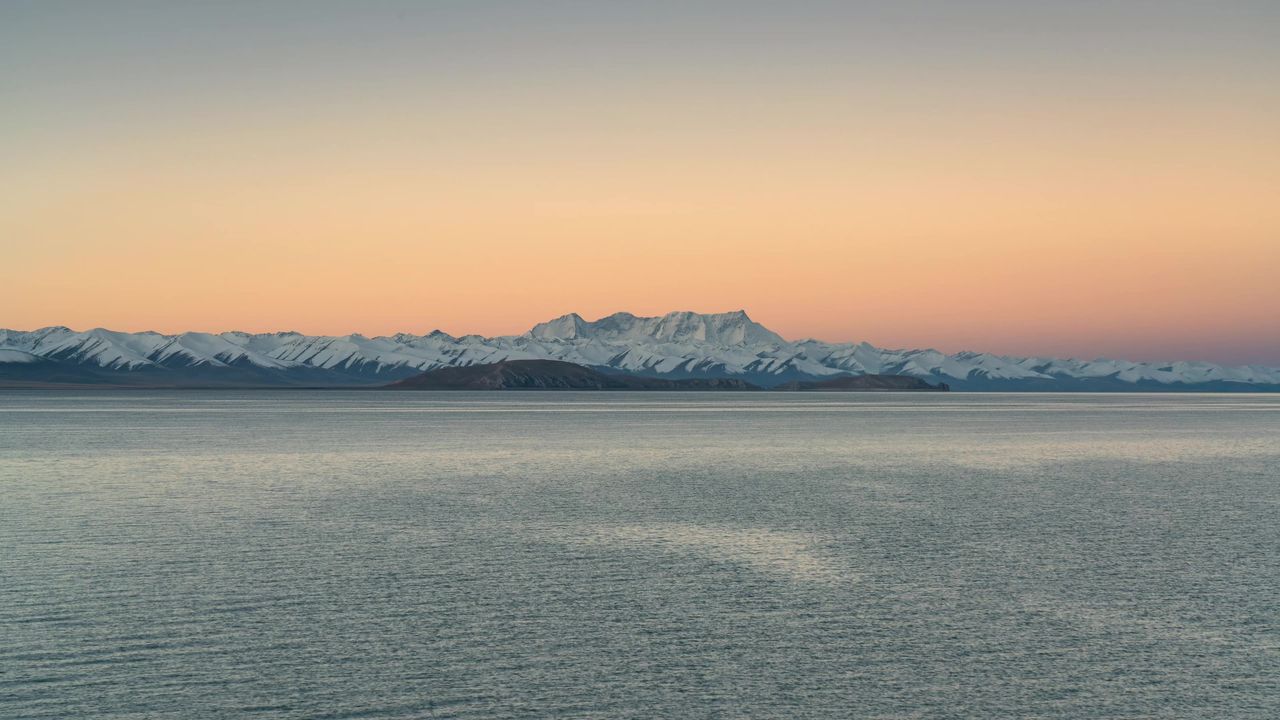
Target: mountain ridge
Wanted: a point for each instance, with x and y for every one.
(676, 345)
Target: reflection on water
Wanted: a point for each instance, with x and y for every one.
(789, 553)
(368, 554)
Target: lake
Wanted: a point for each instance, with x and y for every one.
(366, 554)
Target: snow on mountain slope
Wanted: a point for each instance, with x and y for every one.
(131, 351)
(360, 354)
(103, 348)
(678, 344)
(10, 355)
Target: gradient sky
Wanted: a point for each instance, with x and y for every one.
(1066, 178)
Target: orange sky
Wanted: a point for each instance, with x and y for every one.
(1067, 211)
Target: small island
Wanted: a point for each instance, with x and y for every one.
(864, 383)
(551, 375)
(560, 375)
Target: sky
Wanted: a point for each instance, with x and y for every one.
(1075, 179)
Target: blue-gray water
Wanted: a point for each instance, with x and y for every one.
(381, 555)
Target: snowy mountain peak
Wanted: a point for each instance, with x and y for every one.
(677, 344)
(722, 329)
(565, 327)
(729, 328)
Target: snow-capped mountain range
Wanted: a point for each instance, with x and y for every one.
(675, 345)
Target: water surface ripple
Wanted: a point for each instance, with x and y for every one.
(346, 554)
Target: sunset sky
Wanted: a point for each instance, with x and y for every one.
(1066, 178)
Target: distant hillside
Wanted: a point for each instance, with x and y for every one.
(675, 346)
(551, 375)
(865, 383)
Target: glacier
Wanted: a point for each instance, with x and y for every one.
(675, 345)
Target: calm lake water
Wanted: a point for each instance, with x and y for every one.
(378, 555)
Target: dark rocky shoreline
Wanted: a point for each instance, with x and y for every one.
(559, 375)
